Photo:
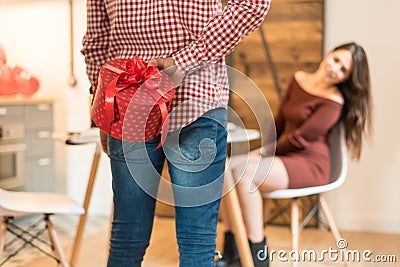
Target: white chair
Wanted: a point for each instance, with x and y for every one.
(14, 204)
(338, 153)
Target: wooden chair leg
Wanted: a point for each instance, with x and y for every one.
(82, 219)
(232, 205)
(295, 210)
(58, 251)
(328, 215)
(332, 225)
(3, 231)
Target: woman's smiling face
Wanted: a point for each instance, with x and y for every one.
(337, 66)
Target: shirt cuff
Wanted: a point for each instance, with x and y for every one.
(187, 60)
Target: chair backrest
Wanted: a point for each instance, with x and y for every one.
(338, 151)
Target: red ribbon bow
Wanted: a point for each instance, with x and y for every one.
(137, 75)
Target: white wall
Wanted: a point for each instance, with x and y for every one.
(369, 200)
(35, 35)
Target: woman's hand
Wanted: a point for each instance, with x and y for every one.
(267, 150)
(256, 152)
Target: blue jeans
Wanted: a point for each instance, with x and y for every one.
(196, 161)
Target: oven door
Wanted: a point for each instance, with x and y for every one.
(12, 162)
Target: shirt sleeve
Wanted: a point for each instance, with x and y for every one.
(318, 124)
(96, 39)
(223, 33)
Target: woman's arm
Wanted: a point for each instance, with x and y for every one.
(279, 121)
(319, 123)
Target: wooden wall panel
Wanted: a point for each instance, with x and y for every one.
(294, 33)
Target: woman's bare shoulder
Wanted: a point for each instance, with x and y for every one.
(336, 95)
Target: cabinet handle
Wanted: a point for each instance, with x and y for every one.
(43, 107)
(3, 111)
(43, 134)
(44, 161)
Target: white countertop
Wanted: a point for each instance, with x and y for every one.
(235, 135)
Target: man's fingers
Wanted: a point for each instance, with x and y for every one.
(158, 62)
(161, 63)
(169, 67)
(103, 141)
(153, 62)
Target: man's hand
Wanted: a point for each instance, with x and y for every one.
(169, 67)
(103, 141)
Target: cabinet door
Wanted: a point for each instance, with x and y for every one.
(39, 154)
(40, 174)
(11, 114)
(39, 116)
(38, 142)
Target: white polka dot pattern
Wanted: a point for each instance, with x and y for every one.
(135, 113)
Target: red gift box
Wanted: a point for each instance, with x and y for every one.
(131, 100)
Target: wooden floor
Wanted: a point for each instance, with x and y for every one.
(163, 249)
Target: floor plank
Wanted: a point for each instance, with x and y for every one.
(163, 248)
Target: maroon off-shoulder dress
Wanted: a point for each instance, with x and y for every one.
(303, 123)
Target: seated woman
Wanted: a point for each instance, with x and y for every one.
(338, 91)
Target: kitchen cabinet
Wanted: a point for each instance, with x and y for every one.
(36, 116)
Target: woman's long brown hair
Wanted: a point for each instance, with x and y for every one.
(357, 110)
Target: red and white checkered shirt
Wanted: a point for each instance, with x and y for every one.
(193, 32)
